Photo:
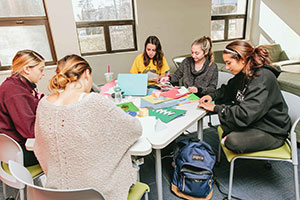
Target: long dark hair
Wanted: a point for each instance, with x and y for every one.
(158, 58)
(254, 57)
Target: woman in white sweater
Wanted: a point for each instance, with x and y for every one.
(82, 138)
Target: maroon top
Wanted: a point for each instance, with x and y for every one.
(18, 103)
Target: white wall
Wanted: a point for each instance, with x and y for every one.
(277, 21)
(176, 23)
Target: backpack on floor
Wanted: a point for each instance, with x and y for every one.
(193, 175)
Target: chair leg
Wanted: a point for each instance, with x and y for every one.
(230, 179)
(296, 181)
(219, 153)
(146, 196)
(22, 194)
(4, 190)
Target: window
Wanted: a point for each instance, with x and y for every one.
(105, 26)
(24, 25)
(228, 19)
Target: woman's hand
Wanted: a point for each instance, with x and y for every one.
(205, 99)
(207, 106)
(155, 80)
(205, 103)
(164, 79)
(193, 89)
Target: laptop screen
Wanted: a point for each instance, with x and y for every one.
(133, 84)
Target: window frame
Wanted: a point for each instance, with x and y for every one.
(226, 18)
(105, 25)
(31, 21)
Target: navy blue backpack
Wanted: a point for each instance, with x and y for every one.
(193, 175)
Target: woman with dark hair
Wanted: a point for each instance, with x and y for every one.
(199, 73)
(19, 99)
(152, 59)
(251, 108)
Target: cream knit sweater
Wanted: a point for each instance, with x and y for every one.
(86, 144)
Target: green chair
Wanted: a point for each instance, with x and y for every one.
(35, 192)
(287, 152)
(11, 150)
(279, 56)
(138, 190)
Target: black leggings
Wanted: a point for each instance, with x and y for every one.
(252, 140)
(29, 157)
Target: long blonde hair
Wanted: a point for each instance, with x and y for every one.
(206, 45)
(24, 58)
(69, 69)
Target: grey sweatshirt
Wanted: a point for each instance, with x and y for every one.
(205, 80)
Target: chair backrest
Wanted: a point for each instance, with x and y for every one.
(293, 102)
(178, 59)
(10, 150)
(35, 192)
(223, 78)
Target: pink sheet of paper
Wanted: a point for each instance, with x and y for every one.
(107, 86)
(173, 94)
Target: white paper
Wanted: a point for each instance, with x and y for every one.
(183, 90)
(148, 124)
(110, 91)
(152, 75)
(151, 125)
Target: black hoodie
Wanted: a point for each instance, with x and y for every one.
(254, 102)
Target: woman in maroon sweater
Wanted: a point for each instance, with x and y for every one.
(19, 99)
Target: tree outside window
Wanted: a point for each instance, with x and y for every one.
(24, 25)
(105, 26)
(228, 19)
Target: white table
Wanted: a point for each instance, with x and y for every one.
(160, 139)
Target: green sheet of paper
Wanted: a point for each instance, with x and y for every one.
(128, 107)
(193, 97)
(166, 114)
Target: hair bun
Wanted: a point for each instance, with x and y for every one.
(59, 81)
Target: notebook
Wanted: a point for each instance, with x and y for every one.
(133, 84)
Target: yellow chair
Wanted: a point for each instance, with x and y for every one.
(287, 152)
(35, 192)
(11, 150)
(138, 190)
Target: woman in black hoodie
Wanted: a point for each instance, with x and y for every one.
(251, 108)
